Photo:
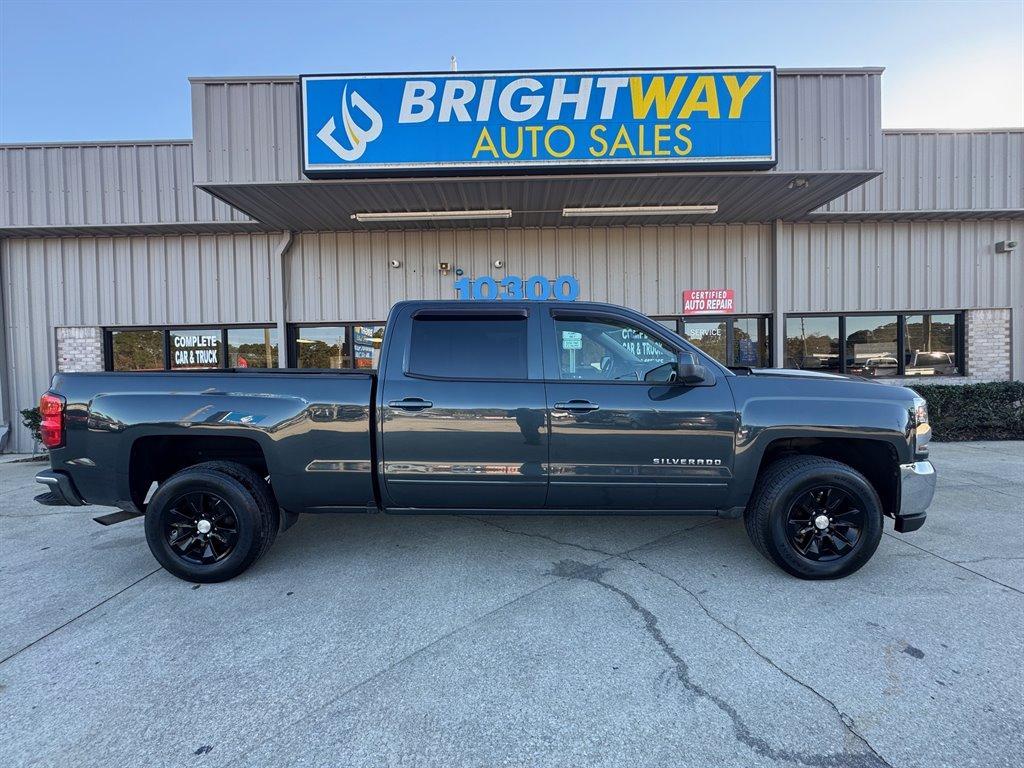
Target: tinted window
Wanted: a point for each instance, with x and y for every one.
(196, 349)
(322, 347)
(137, 350)
(469, 347)
(595, 349)
(750, 342)
(366, 342)
(252, 348)
(871, 345)
(812, 343)
(930, 345)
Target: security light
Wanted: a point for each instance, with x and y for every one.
(498, 213)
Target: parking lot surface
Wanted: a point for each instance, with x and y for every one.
(519, 641)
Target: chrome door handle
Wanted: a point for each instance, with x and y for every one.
(411, 404)
(577, 406)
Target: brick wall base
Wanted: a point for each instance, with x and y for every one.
(79, 350)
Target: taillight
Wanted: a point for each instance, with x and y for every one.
(51, 429)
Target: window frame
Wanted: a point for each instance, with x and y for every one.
(165, 330)
(730, 332)
(349, 326)
(959, 351)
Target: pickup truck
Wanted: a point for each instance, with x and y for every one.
(502, 408)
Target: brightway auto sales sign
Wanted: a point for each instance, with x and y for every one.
(393, 124)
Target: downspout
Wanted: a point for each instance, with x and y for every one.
(278, 266)
(6, 375)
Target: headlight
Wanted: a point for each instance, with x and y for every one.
(920, 411)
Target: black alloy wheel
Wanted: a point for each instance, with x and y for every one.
(201, 527)
(825, 523)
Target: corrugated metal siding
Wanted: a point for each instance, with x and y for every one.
(826, 267)
(943, 171)
(185, 279)
(105, 184)
(347, 276)
(830, 121)
(247, 131)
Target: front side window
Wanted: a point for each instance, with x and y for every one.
(469, 347)
(322, 347)
(137, 350)
(252, 348)
(930, 346)
(812, 343)
(871, 345)
(597, 349)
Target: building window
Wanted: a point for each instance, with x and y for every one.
(812, 343)
(930, 348)
(190, 349)
(136, 350)
(323, 346)
(737, 341)
(468, 347)
(877, 346)
(336, 345)
(252, 348)
(196, 349)
(872, 346)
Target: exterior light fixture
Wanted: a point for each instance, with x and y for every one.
(642, 210)
(799, 183)
(498, 213)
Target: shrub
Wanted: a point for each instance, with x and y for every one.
(975, 411)
(32, 420)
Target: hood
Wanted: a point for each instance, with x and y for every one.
(802, 373)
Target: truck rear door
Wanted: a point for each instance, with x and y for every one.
(462, 410)
(619, 441)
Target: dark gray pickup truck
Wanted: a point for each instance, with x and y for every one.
(506, 408)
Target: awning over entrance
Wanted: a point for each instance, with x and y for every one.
(538, 201)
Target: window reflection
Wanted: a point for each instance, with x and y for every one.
(930, 345)
(366, 342)
(871, 346)
(709, 336)
(137, 350)
(322, 347)
(750, 342)
(812, 343)
(252, 348)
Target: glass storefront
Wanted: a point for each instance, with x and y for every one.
(322, 347)
(190, 349)
(136, 350)
(877, 346)
(252, 348)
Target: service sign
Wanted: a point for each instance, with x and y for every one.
(359, 125)
(718, 301)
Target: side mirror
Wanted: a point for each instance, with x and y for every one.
(689, 371)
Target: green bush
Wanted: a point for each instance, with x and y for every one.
(975, 411)
(32, 420)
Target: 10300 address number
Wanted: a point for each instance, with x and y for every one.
(515, 288)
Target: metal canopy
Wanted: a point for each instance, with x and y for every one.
(538, 201)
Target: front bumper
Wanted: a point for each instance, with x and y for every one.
(917, 487)
(61, 491)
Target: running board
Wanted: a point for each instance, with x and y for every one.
(117, 517)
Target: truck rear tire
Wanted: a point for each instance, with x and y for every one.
(814, 517)
(208, 524)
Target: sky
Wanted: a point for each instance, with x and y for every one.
(79, 70)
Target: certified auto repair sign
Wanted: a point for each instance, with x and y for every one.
(718, 301)
(371, 124)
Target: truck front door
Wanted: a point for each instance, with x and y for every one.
(462, 410)
(620, 439)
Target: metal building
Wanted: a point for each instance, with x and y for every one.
(887, 254)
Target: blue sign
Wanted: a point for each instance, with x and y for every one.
(515, 288)
(357, 125)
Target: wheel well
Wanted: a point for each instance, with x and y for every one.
(154, 459)
(875, 459)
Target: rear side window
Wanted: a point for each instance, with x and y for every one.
(469, 347)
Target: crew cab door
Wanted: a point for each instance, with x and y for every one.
(621, 436)
(462, 410)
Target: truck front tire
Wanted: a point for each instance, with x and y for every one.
(210, 522)
(814, 517)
